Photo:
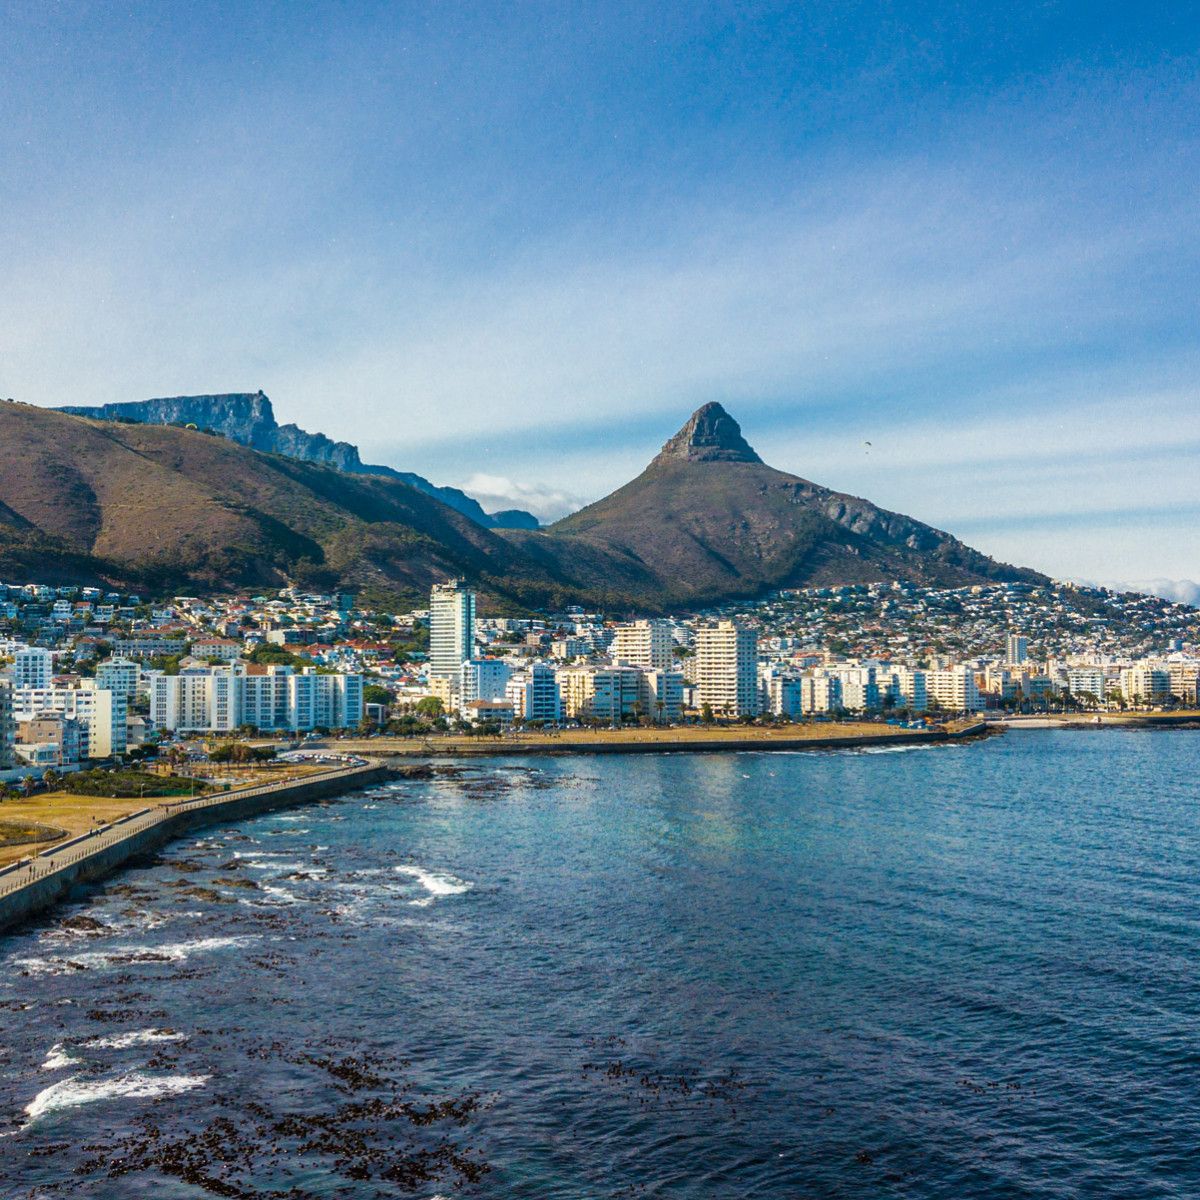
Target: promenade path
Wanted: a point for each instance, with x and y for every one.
(19, 874)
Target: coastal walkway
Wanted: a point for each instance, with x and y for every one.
(31, 885)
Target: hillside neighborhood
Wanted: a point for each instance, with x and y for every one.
(88, 676)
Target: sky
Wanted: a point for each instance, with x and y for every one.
(943, 256)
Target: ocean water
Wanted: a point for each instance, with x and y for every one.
(948, 972)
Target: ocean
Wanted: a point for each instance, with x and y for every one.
(941, 972)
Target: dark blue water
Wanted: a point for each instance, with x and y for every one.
(950, 972)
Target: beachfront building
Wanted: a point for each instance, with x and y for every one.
(1185, 680)
(100, 712)
(1016, 649)
(1141, 684)
(908, 688)
(451, 628)
(605, 693)
(782, 694)
(859, 688)
(660, 694)
(534, 695)
(645, 644)
(50, 740)
(1087, 681)
(223, 699)
(820, 692)
(726, 669)
(482, 679)
(953, 689)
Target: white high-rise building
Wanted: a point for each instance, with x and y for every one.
(662, 694)
(1087, 681)
(604, 693)
(909, 688)
(222, 699)
(482, 679)
(1145, 685)
(783, 695)
(727, 669)
(32, 667)
(820, 693)
(645, 644)
(451, 628)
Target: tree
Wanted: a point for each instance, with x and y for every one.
(373, 693)
(706, 714)
(431, 706)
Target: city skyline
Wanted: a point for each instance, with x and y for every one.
(947, 269)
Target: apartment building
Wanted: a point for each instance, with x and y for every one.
(103, 714)
(534, 695)
(645, 644)
(953, 689)
(726, 669)
(223, 699)
(451, 628)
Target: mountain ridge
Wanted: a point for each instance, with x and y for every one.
(249, 419)
(163, 507)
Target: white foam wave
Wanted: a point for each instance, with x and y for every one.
(138, 1037)
(57, 1058)
(436, 883)
(118, 955)
(74, 1091)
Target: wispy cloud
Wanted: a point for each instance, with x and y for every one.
(497, 492)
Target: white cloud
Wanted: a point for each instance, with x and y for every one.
(497, 492)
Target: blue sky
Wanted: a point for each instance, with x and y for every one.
(513, 246)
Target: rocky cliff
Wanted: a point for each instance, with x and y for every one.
(249, 419)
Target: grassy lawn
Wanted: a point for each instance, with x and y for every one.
(63, 810)
(77, 814)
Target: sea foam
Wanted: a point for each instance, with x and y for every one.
(436, 883)
(75, 1091)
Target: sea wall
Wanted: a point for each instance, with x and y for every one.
(93, 856)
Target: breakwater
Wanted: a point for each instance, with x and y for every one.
(29, 887)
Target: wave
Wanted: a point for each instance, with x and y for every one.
(123, 955)
(74, 1091)
(57, 1058)
(436, 883)
(138, 1037)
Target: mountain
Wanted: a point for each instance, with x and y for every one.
(708, 520)
(157, 508)
(248, 418)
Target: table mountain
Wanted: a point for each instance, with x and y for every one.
(157, 508)
(248, 418)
